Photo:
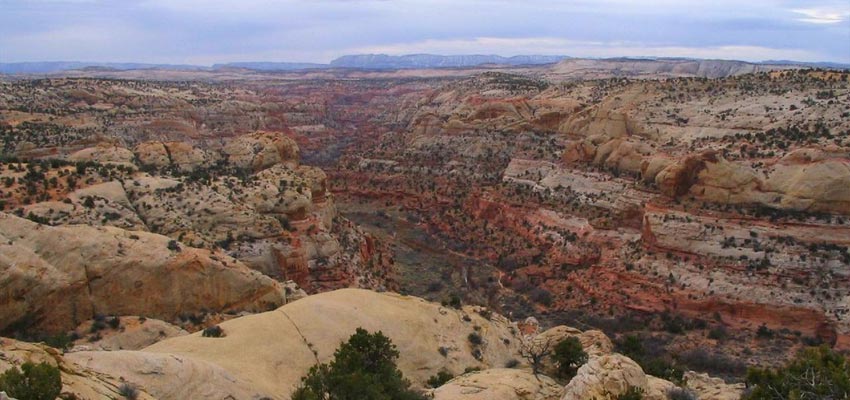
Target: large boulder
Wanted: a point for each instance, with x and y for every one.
(605, 378)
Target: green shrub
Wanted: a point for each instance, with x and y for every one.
(718, 333)
(662, 368)
(173, 245)
(32, 382)
(763, 332)
(362, 368)
(213, 331)
(815, 373)
(542, 296)
(475, 338)
(453, 301)
(440, 379)
(569, 356)
(128, 391)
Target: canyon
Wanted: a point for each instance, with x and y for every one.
(702, 208)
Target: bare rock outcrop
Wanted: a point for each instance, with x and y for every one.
(261, 150)
(606, 378)
(595, 343)
(104, 153)
(499, 384)
(708, 388)
(429, 338)
(132, 333)
(181, 156)
(54, 278)
(169, 376)
(77, 380)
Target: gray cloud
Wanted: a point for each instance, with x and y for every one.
(208, 31)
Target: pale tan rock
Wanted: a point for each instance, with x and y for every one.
(82, 382)
(53, 278)
(179, 155)
(256, 346)
(605, 378)
(595, 343)
(153, 154)
(134, 333)
(708, 388)
(167, 376)
(103, 154)
(822, 186)
(261, 150)
(499, 384)
(657, 388)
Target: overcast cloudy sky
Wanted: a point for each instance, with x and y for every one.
(209, 31)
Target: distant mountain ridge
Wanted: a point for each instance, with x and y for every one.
(383, 61)
(390, 62)
(44, 67)
(270, 66)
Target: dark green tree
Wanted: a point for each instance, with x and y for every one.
(569, 355)
(32, 382)
(362, 368)
(815, 373)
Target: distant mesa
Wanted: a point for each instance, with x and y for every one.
(409, 61)
(383, 61)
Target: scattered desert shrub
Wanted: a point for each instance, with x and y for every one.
(128, 391)
(213, 331)
(440, 379)
(32, 382)
(815, 373)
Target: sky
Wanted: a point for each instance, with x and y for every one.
(204, 32)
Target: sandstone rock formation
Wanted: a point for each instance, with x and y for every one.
(708, 388)
(248, 358)
(104, 153)
(78, 381)
(169, 376)
(500, 384)
(133, 333)
(54, 278)
(260, 150)
(607, 377)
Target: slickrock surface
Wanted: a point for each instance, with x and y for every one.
(54, 278)
(77, 380)
(500, 384)
(133, 333)
(266, 354)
